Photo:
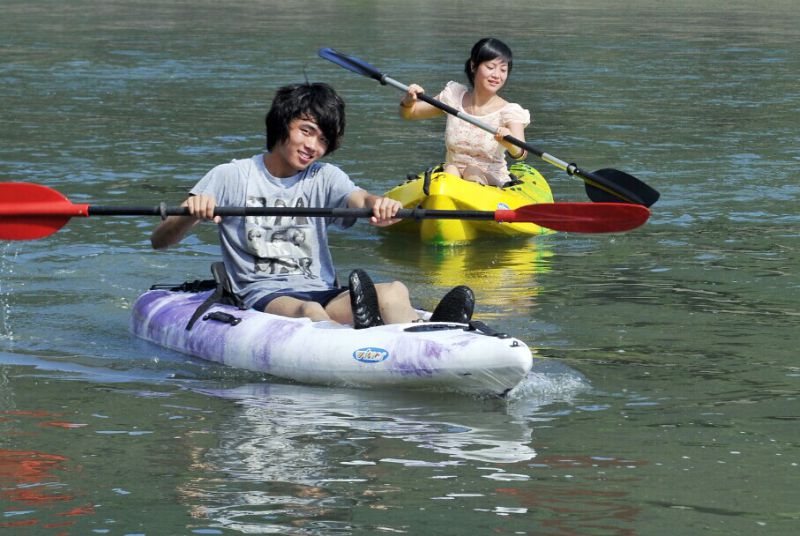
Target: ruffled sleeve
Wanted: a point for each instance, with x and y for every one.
(514, 113)
(452, 94)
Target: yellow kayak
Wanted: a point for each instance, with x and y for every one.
(442, 191)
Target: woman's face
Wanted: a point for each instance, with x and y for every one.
(491, 75)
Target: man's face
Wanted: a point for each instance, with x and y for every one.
(303, 146)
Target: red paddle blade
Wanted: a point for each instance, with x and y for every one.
(579, 217)
(30, 211)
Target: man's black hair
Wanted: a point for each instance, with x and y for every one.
(315, 101)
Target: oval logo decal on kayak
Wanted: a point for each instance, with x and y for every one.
(503, 206)
(371, 355)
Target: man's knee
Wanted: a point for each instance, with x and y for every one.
(312, 310)
(394, 293)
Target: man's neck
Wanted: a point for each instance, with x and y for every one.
(277, 167)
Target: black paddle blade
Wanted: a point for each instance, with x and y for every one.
(351, 64)
(642, 193)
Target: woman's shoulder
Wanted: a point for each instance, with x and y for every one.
(453, 92)
(455, 86)
(514, 113)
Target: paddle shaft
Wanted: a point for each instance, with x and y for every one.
(30, 211)
(68, 210)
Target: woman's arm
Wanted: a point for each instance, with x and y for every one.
(517, 130)
(413, 108)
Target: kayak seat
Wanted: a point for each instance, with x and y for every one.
(223, 292)
(439, 168)
(426, 178)
(515, 181)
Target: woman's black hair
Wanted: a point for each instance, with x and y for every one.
(316, 101)
(487, 49)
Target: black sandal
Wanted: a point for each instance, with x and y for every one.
(364, 301)
(456, 306)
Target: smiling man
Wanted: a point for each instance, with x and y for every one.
(283, 265)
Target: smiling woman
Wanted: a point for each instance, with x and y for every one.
(472, 154)
(602, 185)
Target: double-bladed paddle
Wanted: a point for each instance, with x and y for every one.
(602, 185)
(29, 211)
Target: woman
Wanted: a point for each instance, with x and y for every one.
(472, 153)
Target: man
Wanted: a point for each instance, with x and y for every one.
(283, 265)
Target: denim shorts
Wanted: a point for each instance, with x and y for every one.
(322, 297)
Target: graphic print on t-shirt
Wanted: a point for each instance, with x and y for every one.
(279, 244)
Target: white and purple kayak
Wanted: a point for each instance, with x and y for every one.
(431, 355)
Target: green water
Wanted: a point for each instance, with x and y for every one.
(669, 402)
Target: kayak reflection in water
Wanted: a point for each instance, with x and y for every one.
(304, 123)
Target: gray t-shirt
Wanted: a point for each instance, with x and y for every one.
(265, 254)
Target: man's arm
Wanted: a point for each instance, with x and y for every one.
(174, 228)
(383, 208)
